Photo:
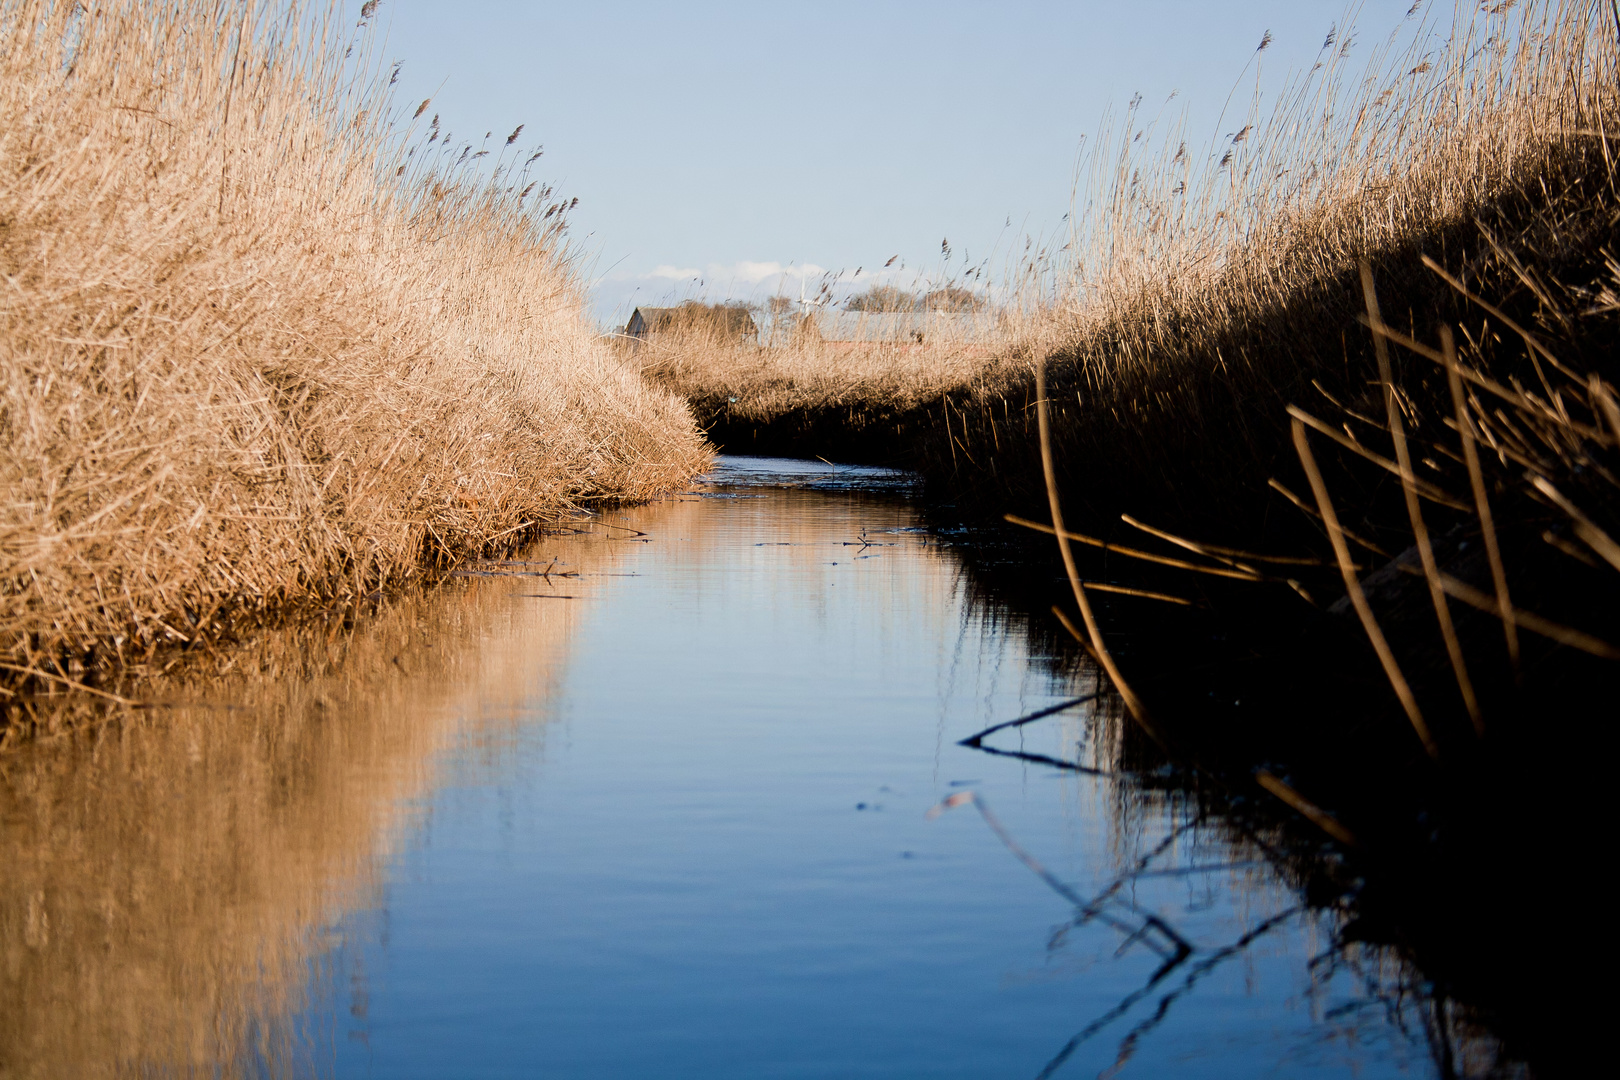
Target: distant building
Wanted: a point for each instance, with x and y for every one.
(727, 322)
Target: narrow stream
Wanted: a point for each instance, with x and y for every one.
(654, 801)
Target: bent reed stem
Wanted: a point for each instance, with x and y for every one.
(1133, 704)
(1358, 599)
(1414, 510)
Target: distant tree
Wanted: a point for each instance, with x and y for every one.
(952, 298)
(882, 298)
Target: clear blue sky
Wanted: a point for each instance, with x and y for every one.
(701, 138)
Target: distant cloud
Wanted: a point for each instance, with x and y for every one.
(756, 272)
(671, 273)
(746, 272)
(616, 293)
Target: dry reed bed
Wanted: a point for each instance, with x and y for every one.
(1246, 405)
(1474, 171)
(1193, 323)
(258, 346)
(1438, 734)
(759, 384)
(1210, 336)
(809, 397)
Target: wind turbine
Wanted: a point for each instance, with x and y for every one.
(807, 307)
(804, 305)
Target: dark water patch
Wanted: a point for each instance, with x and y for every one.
(1451, 857)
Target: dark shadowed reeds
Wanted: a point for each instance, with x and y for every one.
(1198, 305)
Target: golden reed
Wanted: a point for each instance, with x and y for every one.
(261, 341)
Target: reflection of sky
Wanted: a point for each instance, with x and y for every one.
(708, 141)
(714, 860)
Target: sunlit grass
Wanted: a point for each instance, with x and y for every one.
(265, 336)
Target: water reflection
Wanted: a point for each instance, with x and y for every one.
(168, 873)
(653, 800)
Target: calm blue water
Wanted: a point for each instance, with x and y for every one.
(701, 848)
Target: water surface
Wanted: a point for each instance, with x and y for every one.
(654, 800)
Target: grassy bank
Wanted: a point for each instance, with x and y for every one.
(1193, 304)
(1349, 538)
(1473, 173)
(866, 402)
(268, 337)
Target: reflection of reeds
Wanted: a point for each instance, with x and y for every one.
(170, 873)
(1270, 892)
(257, 345)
